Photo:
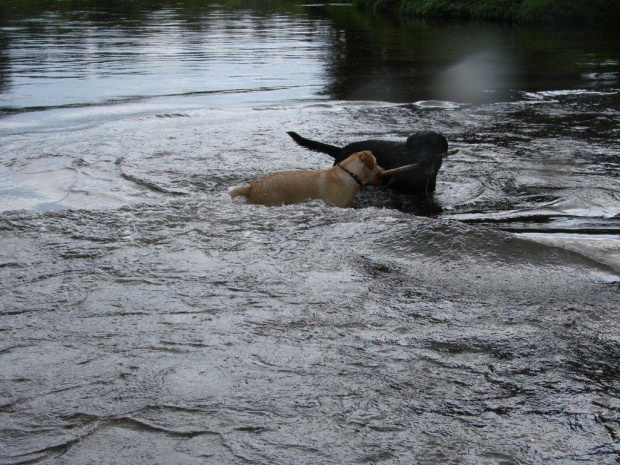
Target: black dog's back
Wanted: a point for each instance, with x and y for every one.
(392, 154)
(389, 152)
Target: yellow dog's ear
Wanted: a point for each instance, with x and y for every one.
(368, 159)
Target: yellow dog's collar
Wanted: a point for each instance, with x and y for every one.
(353, 175)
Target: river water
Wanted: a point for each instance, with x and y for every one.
(145, 318)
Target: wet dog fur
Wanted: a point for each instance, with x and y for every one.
(336, 186)
(422, 147)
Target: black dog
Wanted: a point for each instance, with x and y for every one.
(422, 147)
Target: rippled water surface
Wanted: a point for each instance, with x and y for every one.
(146, 318)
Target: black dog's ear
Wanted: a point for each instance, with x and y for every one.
(412, 142)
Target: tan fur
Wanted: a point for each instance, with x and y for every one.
(333, 185)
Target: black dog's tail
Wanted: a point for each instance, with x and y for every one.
(314, 145)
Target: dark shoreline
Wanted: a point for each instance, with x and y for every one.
(593, 13)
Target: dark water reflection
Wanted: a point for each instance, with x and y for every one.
(147, 319)
(412, 60)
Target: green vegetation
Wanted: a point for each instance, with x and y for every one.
(596, 13)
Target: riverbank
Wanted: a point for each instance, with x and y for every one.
(595, 13)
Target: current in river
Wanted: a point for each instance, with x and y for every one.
(145, 318)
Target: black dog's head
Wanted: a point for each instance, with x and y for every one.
(424, 147)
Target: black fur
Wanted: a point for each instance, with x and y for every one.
(422, 147)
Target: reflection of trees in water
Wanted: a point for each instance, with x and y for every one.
(364, 61)
(374, 58)
(5, 68)
(5, 71)
(132, 12)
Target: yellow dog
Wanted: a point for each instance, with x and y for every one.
(336, 186)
